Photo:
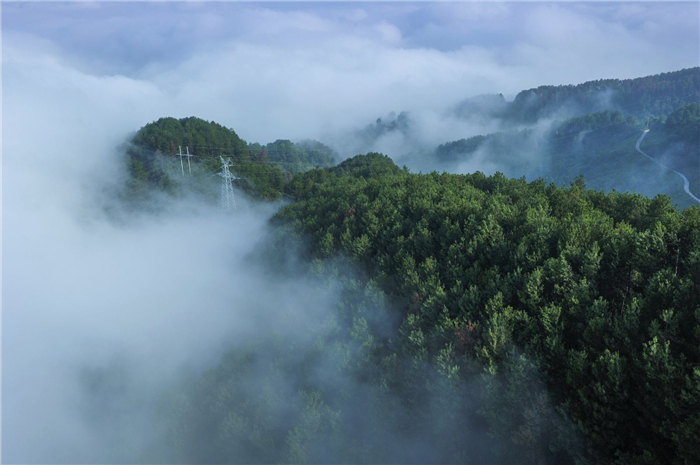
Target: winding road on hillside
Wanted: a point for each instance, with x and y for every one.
(686, 184)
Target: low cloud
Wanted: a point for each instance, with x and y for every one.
(297, 72)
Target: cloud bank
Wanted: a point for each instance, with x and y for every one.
(308, 70)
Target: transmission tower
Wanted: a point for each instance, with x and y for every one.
(188, 161)
(228, 201)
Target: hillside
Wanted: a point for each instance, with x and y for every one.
(675, 142)
(153, 160)
(599, 146)
(642, 97)
(561, 132)
(479, 318)
(491, 320)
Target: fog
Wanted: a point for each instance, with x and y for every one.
(84, 289)
(306, 70)
(103, 308)
(88, 286)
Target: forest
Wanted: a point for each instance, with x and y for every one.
(494, 321)
(600, 146)
(480, 319)
(262, 170)
(590, 130)
(642, 97)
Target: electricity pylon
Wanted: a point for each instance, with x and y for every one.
(188, 161)
(228, 200)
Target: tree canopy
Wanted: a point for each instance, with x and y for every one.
(650, 95)
(496, 320)
(262, 170)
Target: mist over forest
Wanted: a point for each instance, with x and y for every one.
(452, 233)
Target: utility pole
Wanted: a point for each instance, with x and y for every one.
(228, 200)
(188, 160)
(181, 165)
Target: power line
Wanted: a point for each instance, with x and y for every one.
(225, 149)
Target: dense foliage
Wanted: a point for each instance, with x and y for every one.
(562, 322)
(263, 171)
(675, 141)
(473, 318)
(684, 124)
(295, 157)
(456, 150)
(599, 146)
(650, 95)
(203, 138)
(599, 292)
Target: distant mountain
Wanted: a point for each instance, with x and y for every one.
(392, 123)
(642, 97)
(504, 147)
(553, 132)
(487, 105)
(600, 122)
(675, 142)
(600, 146)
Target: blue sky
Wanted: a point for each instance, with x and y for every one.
(291, 69)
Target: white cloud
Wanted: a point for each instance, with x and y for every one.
(82, 291)
(298, 72)
(388, 32)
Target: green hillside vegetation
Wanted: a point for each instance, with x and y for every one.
(597, 142)
(642, 97)
(203, 137)
(492, 321)
(294, 157)
(684, 124)
(605, 155)
(153, 161)
(599, 146)
(478, 319)
(675, 142)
